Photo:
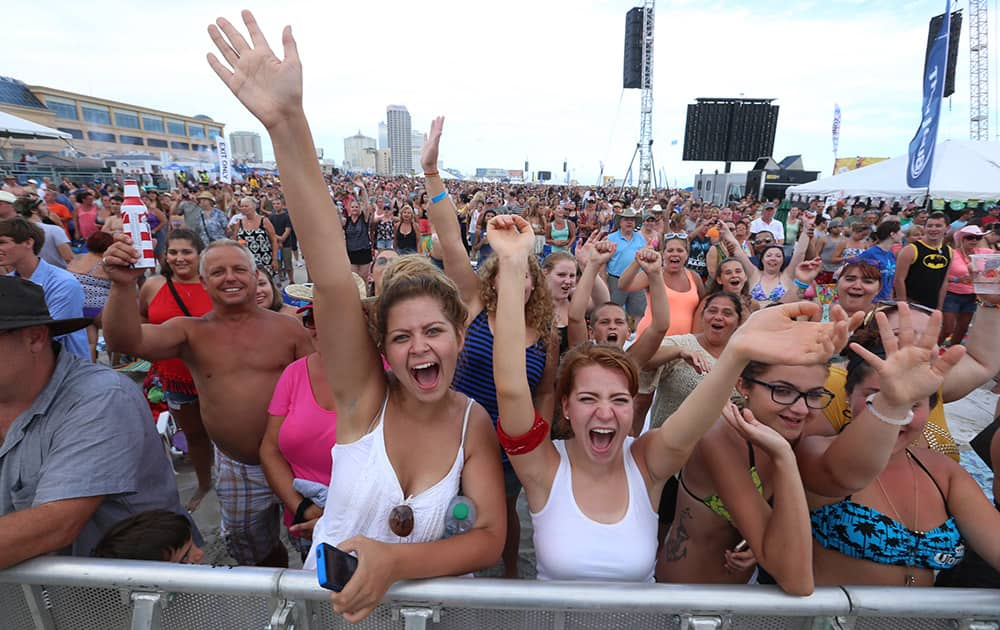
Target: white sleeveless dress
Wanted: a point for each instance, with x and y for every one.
(364, 489)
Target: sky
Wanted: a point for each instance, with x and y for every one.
(535, 80)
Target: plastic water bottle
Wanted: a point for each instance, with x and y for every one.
(461, 516)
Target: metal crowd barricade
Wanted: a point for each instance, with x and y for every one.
(80, 594)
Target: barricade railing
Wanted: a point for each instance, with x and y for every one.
(55, 593)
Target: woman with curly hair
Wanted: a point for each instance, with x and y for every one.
(474, 373)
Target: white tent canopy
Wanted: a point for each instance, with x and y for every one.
(963, 169)
(14, 127)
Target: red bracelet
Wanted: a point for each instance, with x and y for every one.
(526, 443)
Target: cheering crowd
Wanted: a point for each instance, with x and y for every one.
(685, 393)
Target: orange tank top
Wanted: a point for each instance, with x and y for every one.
(682, 307)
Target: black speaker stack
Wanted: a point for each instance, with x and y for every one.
(632, 75)
(953, 40)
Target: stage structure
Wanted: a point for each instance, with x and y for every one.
(638, 74)
(979, 71)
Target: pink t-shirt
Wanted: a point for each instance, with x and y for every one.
(87, 218)
(959, 267)
(307, 435)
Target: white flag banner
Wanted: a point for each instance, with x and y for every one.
(225, 173)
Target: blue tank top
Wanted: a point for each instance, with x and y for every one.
(474, 373)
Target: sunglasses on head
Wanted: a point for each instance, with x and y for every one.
(887, 306)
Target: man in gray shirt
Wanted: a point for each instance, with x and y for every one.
(78, 448)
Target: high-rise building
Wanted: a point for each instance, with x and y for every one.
(383, 136)
(359, 153)
(244, 146)
(383, 162)
(416, 147)
(398, 127)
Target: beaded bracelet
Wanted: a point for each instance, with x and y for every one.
(526, 443)
(899, 422)
(983, 304)
(431, 174)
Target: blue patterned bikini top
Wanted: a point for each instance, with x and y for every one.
(864, 533)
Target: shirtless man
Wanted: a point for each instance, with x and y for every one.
(236, 353)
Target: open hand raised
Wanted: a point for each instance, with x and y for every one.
(432, 144)
(270, 88)
(912, 369)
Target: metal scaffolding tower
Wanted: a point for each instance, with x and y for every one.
(979, 71)
(646, 121)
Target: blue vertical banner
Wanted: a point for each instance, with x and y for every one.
(921, 155)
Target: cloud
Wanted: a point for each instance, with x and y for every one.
(520, 79)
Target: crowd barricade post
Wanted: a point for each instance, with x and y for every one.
(53, 593)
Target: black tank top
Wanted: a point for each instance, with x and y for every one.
(927, 273)
(406, 242)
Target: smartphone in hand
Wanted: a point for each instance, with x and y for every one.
(334, 567)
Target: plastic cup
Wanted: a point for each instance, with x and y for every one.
(985, 270)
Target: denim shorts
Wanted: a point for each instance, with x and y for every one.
(176, 399)
(383, 244)
(959, 302)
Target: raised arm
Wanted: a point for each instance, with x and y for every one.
(271, 89)
(753, 273)
(444, 217)
(770, 336)
(513, 241)
(599, 255)
(632, 279)
(778, 532)
(910, 373)
(982, 361)
(121, 319)
(649, 341)
(799, 253)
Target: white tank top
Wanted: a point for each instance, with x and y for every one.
(571, 546)
(364, 489)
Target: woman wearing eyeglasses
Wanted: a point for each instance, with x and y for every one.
(601, 486)
(960, 300)
(741, 501)
(406, 442)
(898, 513)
